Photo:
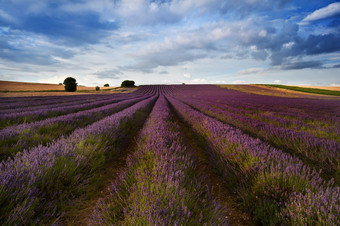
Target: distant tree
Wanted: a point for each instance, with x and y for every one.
(60, 83)
(106, 85)
(70, 84)
(97, 88)
(128, 83)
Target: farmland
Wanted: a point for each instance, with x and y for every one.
(170, 155)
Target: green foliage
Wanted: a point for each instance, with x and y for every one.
(97, 88)
(308, 90)
(70, 84)
(128, 83)
(106, 85)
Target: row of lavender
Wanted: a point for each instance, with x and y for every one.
(16, 103)
(321, 152)
(308, 110)
(318, 152)
(161, 186)
(39, 183)
(278, 188)
(16, 138)
(322, 127)
(18, 115)
(275, 187)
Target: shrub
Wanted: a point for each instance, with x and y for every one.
(97, 88)
(70, 84)
(106, 85)
(128, 83)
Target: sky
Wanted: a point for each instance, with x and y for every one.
(171, 41)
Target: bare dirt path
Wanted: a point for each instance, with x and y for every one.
(214, 181)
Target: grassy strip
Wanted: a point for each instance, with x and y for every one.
(305, 90)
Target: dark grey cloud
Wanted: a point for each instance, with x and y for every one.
(301, 65)
(163, 72)
(109, 74)
(312, 45)
(170, 57)
(317, 44)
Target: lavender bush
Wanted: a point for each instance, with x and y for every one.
(263, 177)
(39, 182)
(161, 185)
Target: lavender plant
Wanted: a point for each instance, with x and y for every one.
(38, 183)
(264, 177)
(161, 185)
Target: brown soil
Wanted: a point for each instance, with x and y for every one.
(335, 88)
(20, 89)
(274, 91)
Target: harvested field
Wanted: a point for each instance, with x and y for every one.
(279, 92)
(21, 89)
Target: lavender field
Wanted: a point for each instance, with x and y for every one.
(169, 155)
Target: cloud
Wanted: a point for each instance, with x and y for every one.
(187, 75)
(301, 65)
(108, 74)
(251, 71)
(162, 37)
(239, 82)
(318, 44)
(329, 11)
(51, 21)
(199, 81)
(26, 47)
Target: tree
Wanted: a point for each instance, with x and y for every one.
(106, 85)
(70, 84)
(97, 88)
(128, 83)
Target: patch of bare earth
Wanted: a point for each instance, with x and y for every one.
(279, 92)
(334, 88)
(21, 89)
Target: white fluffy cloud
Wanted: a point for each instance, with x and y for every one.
(326, 12)
(187, 75)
